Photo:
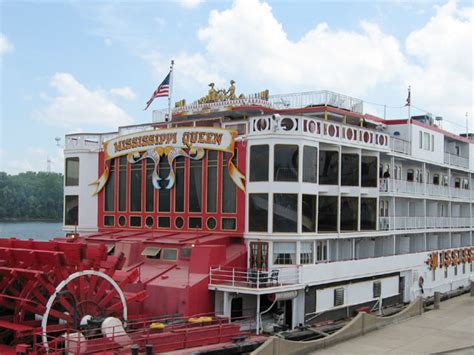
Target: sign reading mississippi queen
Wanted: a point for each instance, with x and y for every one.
(189, 142)
(179, 137)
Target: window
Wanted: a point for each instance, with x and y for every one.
(338, 296)
(109, 221)
(72, 172)
(457, 183)
(71, 210)
(377, 289)
(164, 195)
(432, 143)
(169, 254)
(306, 252)
(179, 184)
(285, 166)
(195, 222)
(349, 213)
(259, 159)
(369, 171)
(284, 253)
(229, 192)
(410, 175)
(109, 194)
(212, 160)
(135, 221)
(328, 167)
(258, 212)
(310, 164)
(327, 214)
(136, 187)
(421, 139)
(350, 170)
(426, 141)
(321, 250)
(445, 180)
(308, 211)
(151, 252)
(436, 179)
(122, 183)
(164, 222)
(285, 212)
(229, 224)
(195, 186)
(149, 189)
(368, 215)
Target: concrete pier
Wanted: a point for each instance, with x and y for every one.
(449, 330)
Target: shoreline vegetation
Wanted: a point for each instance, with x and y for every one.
(31, 197)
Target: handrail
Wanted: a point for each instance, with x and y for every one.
(233, 277)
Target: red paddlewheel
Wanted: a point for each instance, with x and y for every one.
(56, 288)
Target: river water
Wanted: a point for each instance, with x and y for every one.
(34, 230)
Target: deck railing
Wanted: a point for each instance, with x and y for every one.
(412, 187)
(456, 160)
(252, 278)
(405, 223)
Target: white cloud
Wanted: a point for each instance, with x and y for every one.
(75, 106)
(124, 92)
(190, 4)
(442, 82)
(248, 39)
(5, 45)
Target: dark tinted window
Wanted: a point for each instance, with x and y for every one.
(285, 167)
(71, 211)
(109, 221)
(195, 186)
(258, 212)
(195, 222)
(150, 190)
(229, 224)
(349, 213)
(259, 163)
(123, 183)
(350, 170)
(212, 156)
(72, 171)
(285, 212)
(135, 221)
(229, 192)
(368, 213)
(109, 197)
(369, 171)
(164, 222)
(179, 185)
(136, 187)
(309, 213)
(164, 194)
(327, 214)
(328, 167)
(310, 164)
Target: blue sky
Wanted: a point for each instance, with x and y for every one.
(89, 66)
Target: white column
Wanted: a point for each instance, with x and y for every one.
(258, 315)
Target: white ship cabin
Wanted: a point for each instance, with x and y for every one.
(342, 209)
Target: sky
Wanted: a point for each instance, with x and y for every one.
(90, 66)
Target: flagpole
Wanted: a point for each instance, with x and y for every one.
(409, 119)
(171, 90)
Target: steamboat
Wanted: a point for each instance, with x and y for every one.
(233, 217)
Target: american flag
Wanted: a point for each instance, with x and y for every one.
(162, 90)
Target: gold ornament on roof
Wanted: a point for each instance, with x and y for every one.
(220, 95)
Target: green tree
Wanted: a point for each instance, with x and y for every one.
(31, 195)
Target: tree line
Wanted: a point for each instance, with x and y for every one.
(31, 196)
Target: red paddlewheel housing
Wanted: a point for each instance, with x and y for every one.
(54, 285)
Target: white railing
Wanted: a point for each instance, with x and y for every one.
(412, 187)
(456, 160)
(317, 98)
(404, 223)
(400, 146)
(235, 277)
(85, 141)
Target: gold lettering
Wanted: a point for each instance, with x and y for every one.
(218, 138)
(186, 138)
